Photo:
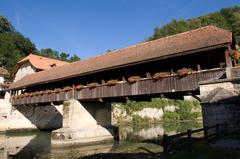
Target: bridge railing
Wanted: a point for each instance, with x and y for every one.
(146, 86)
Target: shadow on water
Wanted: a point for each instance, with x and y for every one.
(28, 145)
(136, 141)
(38, 145)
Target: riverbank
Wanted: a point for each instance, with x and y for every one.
(156, 110)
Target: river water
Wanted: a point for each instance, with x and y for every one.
(133, 138)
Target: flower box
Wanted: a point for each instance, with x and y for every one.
(57, 90)
(182, 72)
(134, 79)
(48, 91)
(93, 85)
(234, 55)
(68, 88)
(160, 75)
(79, 87)
(112, 82)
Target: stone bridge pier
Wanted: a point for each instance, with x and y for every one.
(73, 122)
(84, 122)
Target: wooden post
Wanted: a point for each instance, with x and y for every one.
(228, 59)
(172, 72)
(165, 144)
(103, 81)
(198, 67)
(124, 79)
(221, 64)
(148, 75)
(189, 138)
(73, 91)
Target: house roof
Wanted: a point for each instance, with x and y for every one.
(39, 62)
(221, 95)
(171, 46)
(3, 71)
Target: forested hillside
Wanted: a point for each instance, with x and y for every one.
(14, 46)
(227, 18)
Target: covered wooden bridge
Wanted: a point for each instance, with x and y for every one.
(171, 65)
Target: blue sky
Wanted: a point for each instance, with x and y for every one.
(90, 27)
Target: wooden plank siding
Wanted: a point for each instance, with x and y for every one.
(145, 86)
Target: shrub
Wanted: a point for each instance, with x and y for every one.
(171, 116)
(138, 119)
(183, 111)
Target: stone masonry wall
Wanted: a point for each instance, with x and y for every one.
(221, 113)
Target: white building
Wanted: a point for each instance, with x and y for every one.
(34, 63)
(3, 85)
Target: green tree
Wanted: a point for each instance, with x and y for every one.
(74, 58)
(227, 18)
(64, 56)
(50, 53)
(5, 25)
(13, 45)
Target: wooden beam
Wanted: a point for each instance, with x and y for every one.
(228, 59)
(103, 81)
(140, 98)
(124, 79)
(221, 64)
(148, 75)
(198, 67)
(172, 72)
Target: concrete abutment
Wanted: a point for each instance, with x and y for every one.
(83, 123)
(73, 122)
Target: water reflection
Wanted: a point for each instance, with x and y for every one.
(28, 145)
(153, 131)
(38, 144)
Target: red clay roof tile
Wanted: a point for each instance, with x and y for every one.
(39, 62)
(169, 46)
